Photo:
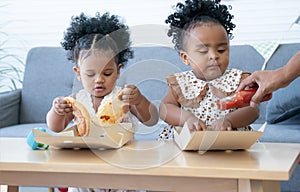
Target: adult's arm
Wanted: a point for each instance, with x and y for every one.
(271, 80)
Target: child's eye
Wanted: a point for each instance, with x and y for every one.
(90, 75)
(107, 74)
(203, 51)
(221, 50)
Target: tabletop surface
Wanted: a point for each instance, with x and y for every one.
(269, 161)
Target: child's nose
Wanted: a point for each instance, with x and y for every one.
(213, 55)
(99, 79)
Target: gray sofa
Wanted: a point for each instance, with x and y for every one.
(49, 74)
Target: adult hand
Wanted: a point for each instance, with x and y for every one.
(267, 82)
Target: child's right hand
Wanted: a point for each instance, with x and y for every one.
(195, 124)
(61, 106)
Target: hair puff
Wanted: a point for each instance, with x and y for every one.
(83, 26)
(191, 11)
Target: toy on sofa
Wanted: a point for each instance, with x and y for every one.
(32, 143)
(240, 99)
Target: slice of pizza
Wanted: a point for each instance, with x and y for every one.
(111, 111)
(82, 116)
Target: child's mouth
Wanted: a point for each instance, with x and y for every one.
(214, 65)
(99, 89)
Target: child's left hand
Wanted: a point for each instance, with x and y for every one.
(131, 94)
(221, 125)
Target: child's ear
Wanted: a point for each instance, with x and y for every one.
(77, 72)
(119, 69)
(184, 57)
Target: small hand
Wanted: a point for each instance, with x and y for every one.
(61, 106)
(131, 94)
(221, 125)
(195, 124)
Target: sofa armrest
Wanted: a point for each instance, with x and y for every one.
(9, 107)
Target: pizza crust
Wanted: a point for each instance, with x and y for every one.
(110, 112)
(82, 116)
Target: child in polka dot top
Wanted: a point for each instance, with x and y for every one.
(201, 30)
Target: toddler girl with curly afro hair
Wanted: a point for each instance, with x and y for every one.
(201, 30)
(99, 46)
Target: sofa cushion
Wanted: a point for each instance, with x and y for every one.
(48, 74)
(9, 108)
(282, 55)
(279, 133)
(19, 130)
(149, 68)
(246, 58)
(149, 77)
(285, 104)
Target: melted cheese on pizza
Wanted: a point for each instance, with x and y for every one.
(112, 112)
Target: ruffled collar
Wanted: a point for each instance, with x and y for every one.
(222, 86)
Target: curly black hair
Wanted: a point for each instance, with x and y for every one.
(195, 11)
(84, 33)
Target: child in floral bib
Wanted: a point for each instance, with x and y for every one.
(201, 31)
